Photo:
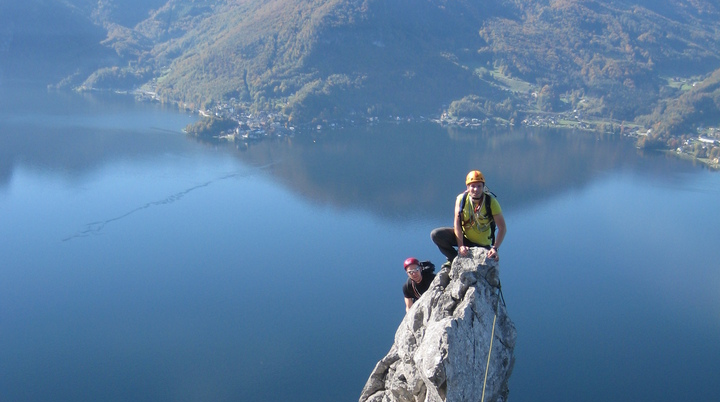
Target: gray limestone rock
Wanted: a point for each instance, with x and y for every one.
(441, 348)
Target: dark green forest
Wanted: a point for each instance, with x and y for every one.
(654, 64)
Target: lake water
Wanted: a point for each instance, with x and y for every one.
(142, 265)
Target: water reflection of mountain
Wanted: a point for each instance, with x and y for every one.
(413, 170)
(73, 135)
(75, 151)
(394, 171)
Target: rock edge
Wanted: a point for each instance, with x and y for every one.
(440, 353)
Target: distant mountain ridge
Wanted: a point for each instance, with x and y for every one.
(309, 58)
(629, 61)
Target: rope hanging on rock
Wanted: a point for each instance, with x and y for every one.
(492, 337)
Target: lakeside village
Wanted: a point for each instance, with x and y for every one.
(704, 146)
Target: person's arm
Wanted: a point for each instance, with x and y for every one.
(501, 230)
(457, 227)
(408, 304)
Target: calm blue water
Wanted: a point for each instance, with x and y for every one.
(141, 265)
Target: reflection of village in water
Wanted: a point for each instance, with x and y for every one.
(258, 126)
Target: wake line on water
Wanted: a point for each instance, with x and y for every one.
(165, 130)
(95, 228)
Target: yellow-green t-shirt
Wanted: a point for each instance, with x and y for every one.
(475, 224)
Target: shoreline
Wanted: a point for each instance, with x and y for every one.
(260, 125)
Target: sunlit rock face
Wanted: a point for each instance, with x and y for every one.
(441, 347)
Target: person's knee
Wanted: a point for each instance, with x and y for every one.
(438, 235)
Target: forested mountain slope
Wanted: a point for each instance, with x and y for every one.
(309, 58)
(492, 59)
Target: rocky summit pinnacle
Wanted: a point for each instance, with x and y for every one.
(441, 348)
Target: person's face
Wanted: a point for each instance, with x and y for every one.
(413, 272)
(475, 189)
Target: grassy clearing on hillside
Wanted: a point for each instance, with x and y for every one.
(682, 83)
(513, 84)
(502, 81)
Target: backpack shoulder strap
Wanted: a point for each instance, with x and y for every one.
(488, 213)
(488, 207)
(463, 200)
(462, 206)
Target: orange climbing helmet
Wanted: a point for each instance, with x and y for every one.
(475, 176)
